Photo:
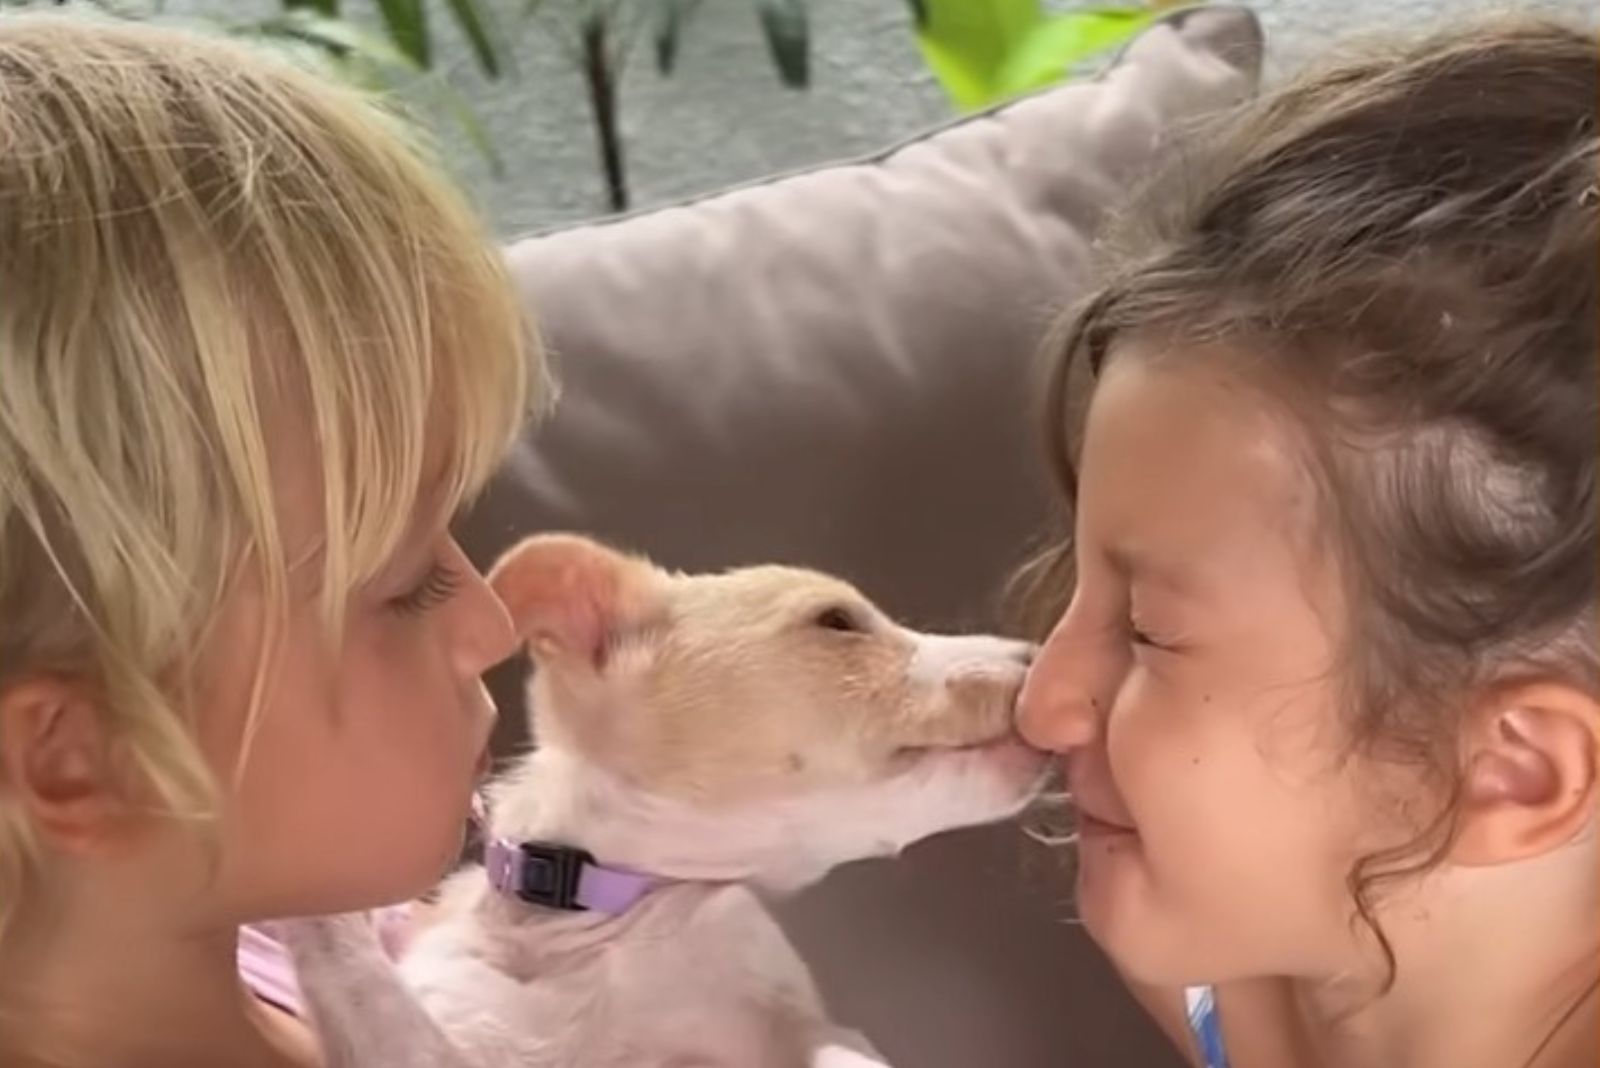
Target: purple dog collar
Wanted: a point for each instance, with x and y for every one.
(562, 877)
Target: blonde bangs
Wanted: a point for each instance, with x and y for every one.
(226, 204)
(203, 250)
(402, 335)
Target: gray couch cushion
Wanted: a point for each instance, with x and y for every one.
(834, 369)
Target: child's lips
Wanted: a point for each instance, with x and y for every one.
(1094, 819)
(1092, 826)
(1094, 811)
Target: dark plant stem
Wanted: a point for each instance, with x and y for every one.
(600, 74)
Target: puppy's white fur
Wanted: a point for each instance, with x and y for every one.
(737, 734)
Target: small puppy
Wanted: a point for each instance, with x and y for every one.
(703, 740)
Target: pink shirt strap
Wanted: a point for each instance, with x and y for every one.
(267, 971)
(265, 968)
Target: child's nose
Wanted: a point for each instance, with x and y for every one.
(498, 638)
(1057, 709)
(483, 635)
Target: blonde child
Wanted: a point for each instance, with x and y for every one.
(1327, 686)
(252, 357)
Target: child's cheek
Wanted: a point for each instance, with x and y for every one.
(1156, 743)
(407, 647)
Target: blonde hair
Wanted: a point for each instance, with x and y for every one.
(192, 237)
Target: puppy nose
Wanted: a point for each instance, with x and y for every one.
(1027, 654)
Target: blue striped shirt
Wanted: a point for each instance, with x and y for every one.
(1207, 1027)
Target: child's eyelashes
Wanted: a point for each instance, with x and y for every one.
(1140, 635)
(439, 585)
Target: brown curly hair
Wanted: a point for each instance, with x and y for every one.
(1405, 246)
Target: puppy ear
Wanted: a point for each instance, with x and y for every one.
(568, 596)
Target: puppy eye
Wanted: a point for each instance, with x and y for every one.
(840, 619)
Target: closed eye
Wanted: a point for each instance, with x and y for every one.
(439, 585)
(1139, 634)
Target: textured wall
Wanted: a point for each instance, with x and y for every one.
(723, 118)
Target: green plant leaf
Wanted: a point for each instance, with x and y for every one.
(476, 23)
(1057, 45)
(477, 135)
(334, 37)
(963, 80)
(372, 62)
(325, 7)
(968, 42)
(788, 28)
(671, 17)
(407, 24)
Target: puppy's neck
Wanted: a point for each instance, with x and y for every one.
(557, 796)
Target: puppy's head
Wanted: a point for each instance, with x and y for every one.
(765, 686)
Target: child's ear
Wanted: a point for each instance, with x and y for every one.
(56, 761)
(569, 596)
(1531, 751)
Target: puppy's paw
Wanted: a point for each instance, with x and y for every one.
(344, 937)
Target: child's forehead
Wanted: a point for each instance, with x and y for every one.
(1182, 410)
(1186, 466)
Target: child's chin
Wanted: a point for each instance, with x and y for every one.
(1132, 943)
(1144, 962)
